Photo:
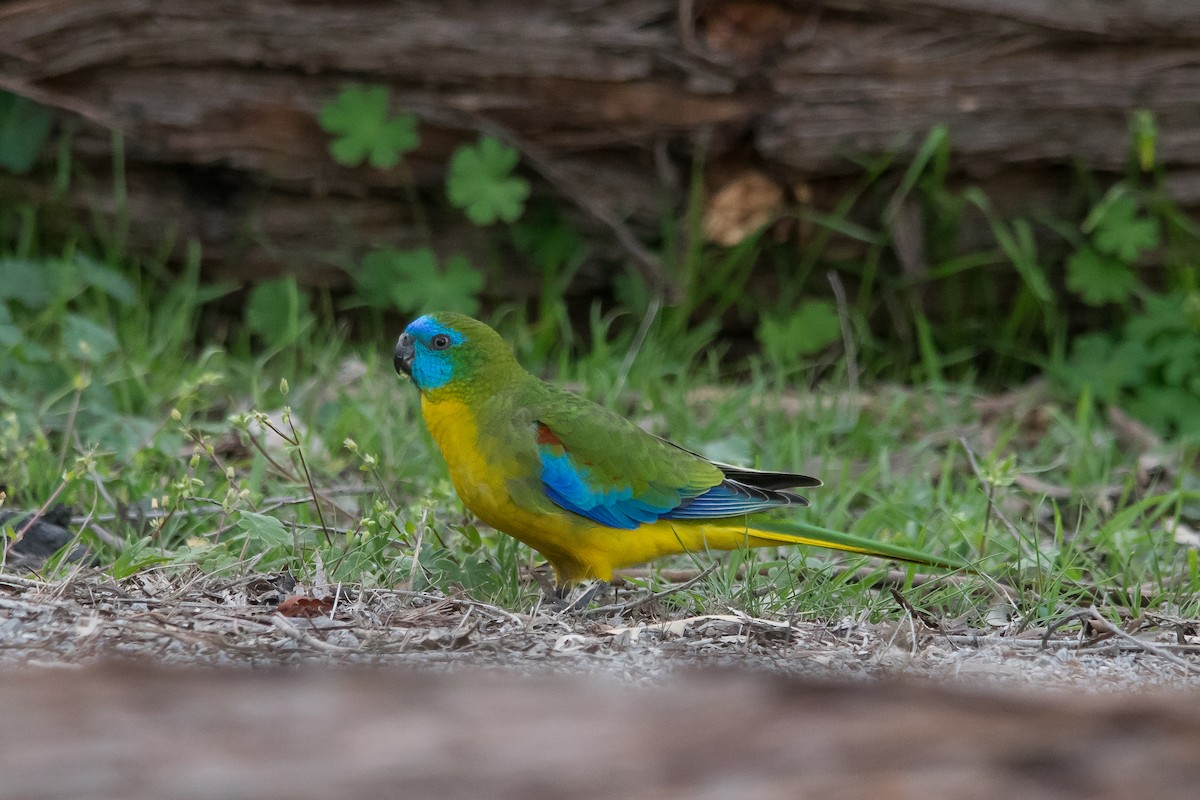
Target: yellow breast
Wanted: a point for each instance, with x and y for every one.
(476, 478)
(577, 547)
(482, 480)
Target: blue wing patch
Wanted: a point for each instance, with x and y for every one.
(568, 486)
(572, 486)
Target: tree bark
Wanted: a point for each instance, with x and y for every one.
(609, 99)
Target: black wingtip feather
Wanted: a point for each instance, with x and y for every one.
(771, 481)
(763, 479)
(774, 496)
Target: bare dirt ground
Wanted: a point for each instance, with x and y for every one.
(203, 621)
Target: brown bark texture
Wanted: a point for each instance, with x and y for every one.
(131, 732)
(610, 100)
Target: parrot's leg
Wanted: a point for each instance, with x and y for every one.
(582, 602)
(557, 594)
(554, 594)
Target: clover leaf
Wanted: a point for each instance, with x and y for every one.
(809, 330)
(1169, 408)
(411, 280)
(278, 310)
(364, 130)
(481, 182)
(1122, 233)
(1107, 366)
(1099, 278)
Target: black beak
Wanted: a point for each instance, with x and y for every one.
(404, 354)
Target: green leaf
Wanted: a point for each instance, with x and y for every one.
(364, 131)
(816, 323)
(24, 126)
(1099, 278)
(1162, 315)
(548, 238)
(457, 290)
(1165, 408)
(106, 279)
(1180, 358)
(810, 329)
(86, 340)
(277, 310)
(33, 284)
(123, 434)
(1122, 233)
(10, 334)
(1105, 366)
(376, 277)
(411, 281)
(31, 352)
(481, 182)
(136, 556)
(263, 531)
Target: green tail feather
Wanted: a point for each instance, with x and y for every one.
(803, 533)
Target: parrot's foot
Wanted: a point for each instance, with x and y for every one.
(561, 600)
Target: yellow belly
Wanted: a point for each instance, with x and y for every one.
(575, 546)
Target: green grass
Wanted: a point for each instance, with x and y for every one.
(188, 440)
(305, 452)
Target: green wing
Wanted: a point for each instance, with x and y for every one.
(604, 467)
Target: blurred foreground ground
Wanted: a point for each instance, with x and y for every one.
(126, 731)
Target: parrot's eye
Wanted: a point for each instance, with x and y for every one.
(440, 342)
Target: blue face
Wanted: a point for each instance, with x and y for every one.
(425, 351)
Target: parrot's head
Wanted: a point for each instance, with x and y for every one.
(448, 350)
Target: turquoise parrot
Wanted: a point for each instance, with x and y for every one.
(586, 488)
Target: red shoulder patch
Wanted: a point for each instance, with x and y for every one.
(546, 436)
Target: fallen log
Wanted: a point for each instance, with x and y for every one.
(217, 103)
